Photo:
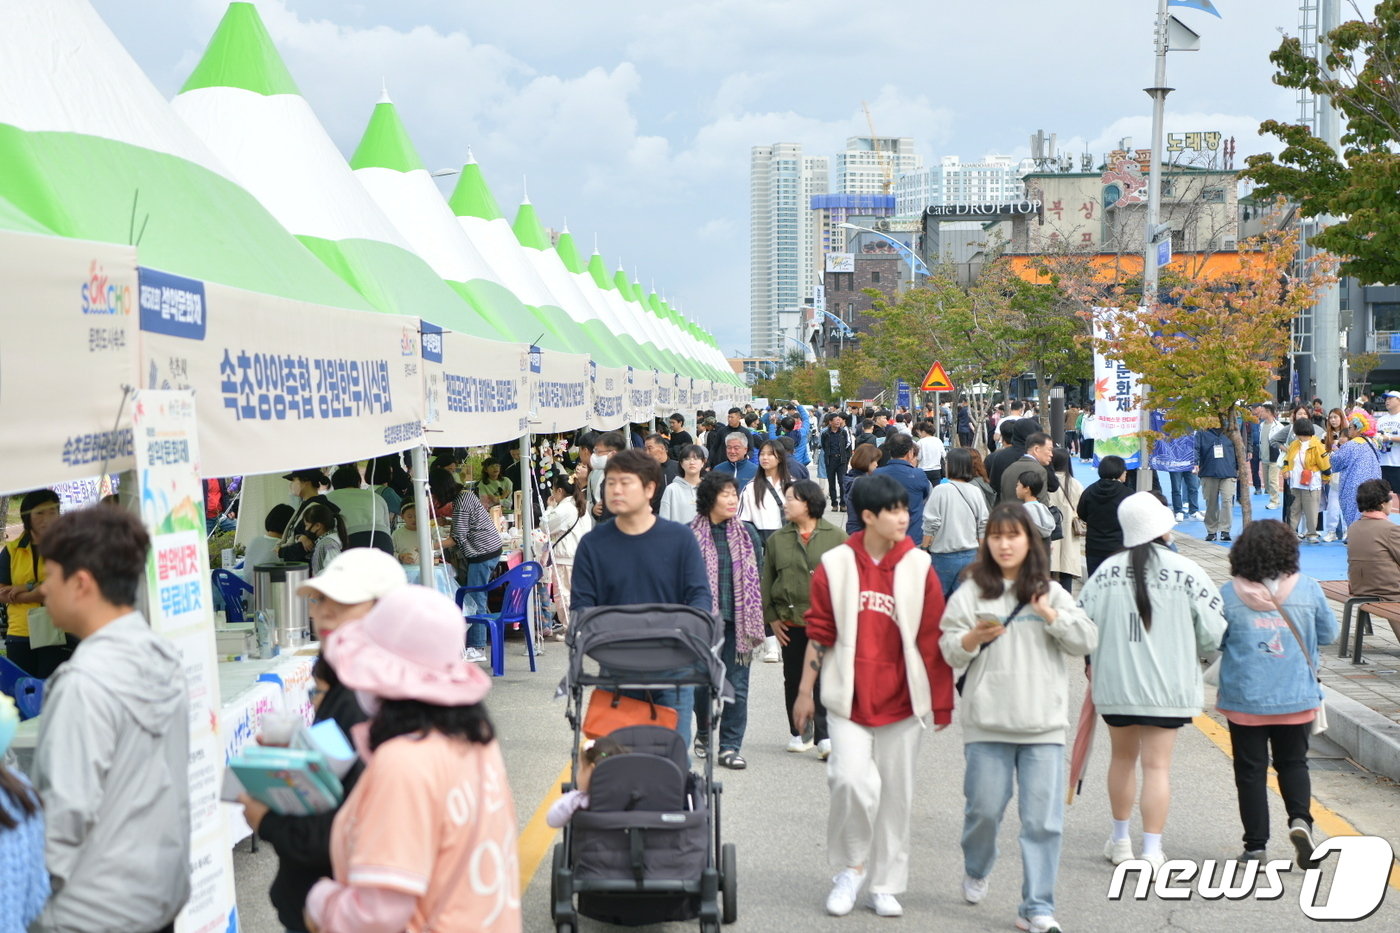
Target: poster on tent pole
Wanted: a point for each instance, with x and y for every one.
(559, 391)
(608, 389)
(180, 608)
(67, 359)
(279, 383)
(1117, 416)
(475, 389)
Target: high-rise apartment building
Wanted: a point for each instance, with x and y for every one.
(782, 250)
(993, 179)
(872, 164)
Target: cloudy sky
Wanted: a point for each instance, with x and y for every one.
(634, 120)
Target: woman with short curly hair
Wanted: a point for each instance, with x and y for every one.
(1269, 692)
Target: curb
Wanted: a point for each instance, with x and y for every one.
(1368, 738)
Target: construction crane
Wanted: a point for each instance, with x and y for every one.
(883, 156)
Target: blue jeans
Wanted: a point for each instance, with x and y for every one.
(734, 719)
(478, 574)
(949, 565)
(1186, 490)
(1039, 773)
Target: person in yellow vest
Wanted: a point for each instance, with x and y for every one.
(21, 572)
(1306, 465)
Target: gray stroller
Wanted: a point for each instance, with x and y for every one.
(648, 849)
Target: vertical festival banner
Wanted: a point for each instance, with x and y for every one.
(180, 609)
(1117, 414)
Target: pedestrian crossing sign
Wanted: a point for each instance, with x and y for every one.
(937, 380)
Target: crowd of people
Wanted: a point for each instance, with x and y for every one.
(947, 562)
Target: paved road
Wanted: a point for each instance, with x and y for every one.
(776, 810)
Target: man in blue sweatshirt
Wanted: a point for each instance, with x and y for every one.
(1218, 469)
(736, 460)
(903, 467)
(636, 558)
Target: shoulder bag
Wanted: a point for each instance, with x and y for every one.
(963, 679)
(1320, 720)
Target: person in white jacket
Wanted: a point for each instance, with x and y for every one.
(1012, 631)
(761, 504)
(678, 501)
(565, 521)
(1158, 612)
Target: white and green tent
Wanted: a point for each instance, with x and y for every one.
(242, 102)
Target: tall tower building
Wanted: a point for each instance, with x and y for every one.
(782, 250)
(871, 164)
(993, 179)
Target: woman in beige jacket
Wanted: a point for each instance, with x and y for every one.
(1067, 554)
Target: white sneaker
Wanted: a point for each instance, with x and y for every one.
(1180, 517)
(844, 888)
(885, 905)
(797, 744)
(1300, 834)
(974, 889)
(1044, 923)
(474, 654)
(1329, 537)
(772, 652)
(824, 749)
(1118, 851)
(1199, 516)
(1155, 859)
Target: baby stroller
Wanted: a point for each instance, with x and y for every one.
(648, 849)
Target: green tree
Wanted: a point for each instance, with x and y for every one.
(1360, 184)
(1209, 354)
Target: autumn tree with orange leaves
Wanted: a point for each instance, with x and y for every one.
(1209, 351)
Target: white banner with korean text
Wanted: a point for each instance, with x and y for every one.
(67, 356)
(475, 389)
(281, 384)
(1117, 415)
(608, 392)
(641, 395)
(179, 606)
(559, 391)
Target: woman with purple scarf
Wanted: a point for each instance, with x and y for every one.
(733, 552)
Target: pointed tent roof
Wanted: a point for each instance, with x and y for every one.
(568, 252)
(387, 165)
(93, 151)
(249, 112)
(480, 219)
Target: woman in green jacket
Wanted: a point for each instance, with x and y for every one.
(792, 555)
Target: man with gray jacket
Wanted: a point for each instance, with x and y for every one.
(112, 765)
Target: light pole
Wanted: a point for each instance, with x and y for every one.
(900, 247)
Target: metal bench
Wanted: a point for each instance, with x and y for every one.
(1340, 590)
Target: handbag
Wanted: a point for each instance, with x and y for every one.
(1319, 724)
(608, 711)
(1059, 531)
(42, 632)
(963, 678)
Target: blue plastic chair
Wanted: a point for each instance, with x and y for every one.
(27, 691)
(519, 582)
(232, 587)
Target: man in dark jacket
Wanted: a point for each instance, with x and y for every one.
(903, 465)
(1014, 436)
(734, 425)
(1219, 471)
(965, 429)
(866, 434)
(1039, 449)
(1098, 508)
(836, 451)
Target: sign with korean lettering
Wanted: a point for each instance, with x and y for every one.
(67, 354)
(560, 392)
(641, 395)
(1117, 415)
(608, 390)
(180, 609)
(282, 383)
(479, 389)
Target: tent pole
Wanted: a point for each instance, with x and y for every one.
(426, 518)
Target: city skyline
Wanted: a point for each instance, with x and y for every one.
(636, 124)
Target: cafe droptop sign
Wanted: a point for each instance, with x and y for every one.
(980, 211)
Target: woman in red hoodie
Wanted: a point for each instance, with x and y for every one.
(872, 632)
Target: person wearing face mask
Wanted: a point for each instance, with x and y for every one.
(345, 591)
(306, 487)
(605, 446)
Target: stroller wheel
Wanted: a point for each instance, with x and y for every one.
(729, 882)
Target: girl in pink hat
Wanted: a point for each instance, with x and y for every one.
(426, 840)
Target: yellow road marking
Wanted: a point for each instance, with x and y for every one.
(538, 836)
(1331, 822)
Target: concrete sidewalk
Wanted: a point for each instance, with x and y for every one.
(1363, 701)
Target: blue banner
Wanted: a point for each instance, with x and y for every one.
(172, 304)
(902, 396)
